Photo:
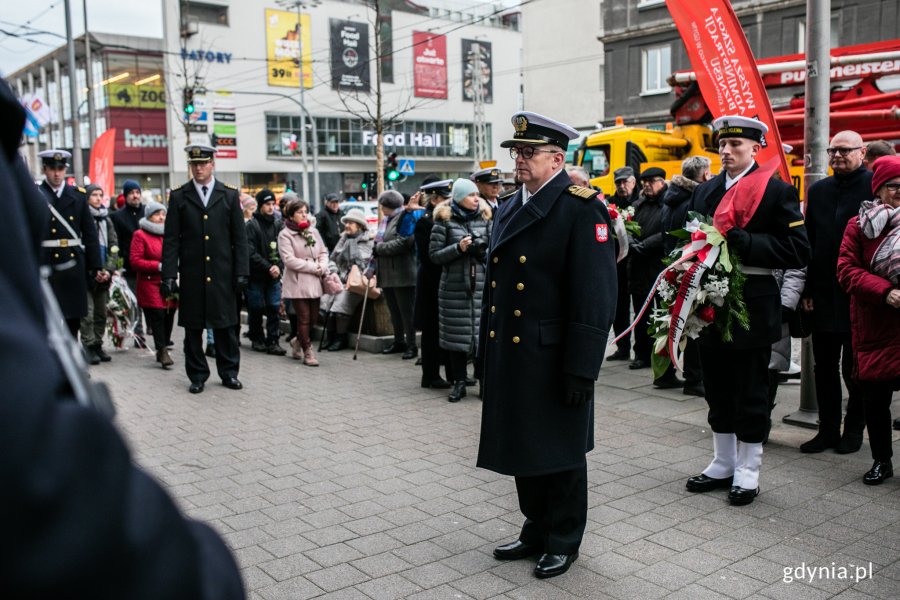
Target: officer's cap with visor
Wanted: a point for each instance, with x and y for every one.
(199, 152)
(443, 188)
(55, 158)
(490, 175)
(736, 126)
(532, 128)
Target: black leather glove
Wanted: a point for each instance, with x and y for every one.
(578, 390)
(240, 283)
(635, 246)
(738, 240)
(168, 288)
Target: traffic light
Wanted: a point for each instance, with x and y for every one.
(188, 96)
(390, 170)
(369, 181)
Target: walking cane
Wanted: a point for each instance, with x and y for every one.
(324, 329)
(362, 315)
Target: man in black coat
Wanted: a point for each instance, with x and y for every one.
(205, 242)
(328, 221)
(548, 304)
(832, 202)
(735, 374)
(126, 220)
(264, 290)
(645, 261)
(627, 193)
(79, 518)
(71, 245)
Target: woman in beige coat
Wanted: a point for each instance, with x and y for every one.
(305, 258)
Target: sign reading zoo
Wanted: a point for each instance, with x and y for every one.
(129, 95)
(283, 43)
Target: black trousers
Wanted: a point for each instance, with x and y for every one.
(877, 397)
(737, 390)
(831, 350)
(555, 509)
(432, 354)
(623, 307)
(693, 372)
(400, 302)
(228, 354)
(643, 343)
(458, 362)
(161, 321)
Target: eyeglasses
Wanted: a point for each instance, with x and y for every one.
(841, 151)
(892, 187)
(527, 152)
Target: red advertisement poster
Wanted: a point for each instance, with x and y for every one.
(725, 67)
(429, 65)
(102, 161)
(140, 136)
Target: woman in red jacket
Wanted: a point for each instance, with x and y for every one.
(869, 271)
(146, 260)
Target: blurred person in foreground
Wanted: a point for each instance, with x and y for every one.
(869, 270)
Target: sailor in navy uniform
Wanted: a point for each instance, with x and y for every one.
(549, 301)
(735, 374)
(71, 246)
(490, 185)
(205, 241)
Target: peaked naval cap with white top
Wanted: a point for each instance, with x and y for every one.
(442, 188)
(199, 152)
(55, 158)
(740, 127)
(532, 128)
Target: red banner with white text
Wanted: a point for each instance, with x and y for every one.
(429, 65)
(725, 67)
(102, 162)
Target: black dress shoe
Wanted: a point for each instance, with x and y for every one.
(515, 551)
(395, 348)
(820, 443)
(103, 356)
(639, 364)
(738, 496)
(694, 389)
(881, 470)
(437, 384)
(620, 355)
(702, 483)
(410, 353)
(232, 383)
(850, 442)
(211, 350)
(551, 565)
(459, 391)
(196, 387)
(667, 383)
(275, 350)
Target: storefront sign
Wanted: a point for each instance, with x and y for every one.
(410, 140)
(283, 35)
(128, 95)
(206, 56)
(141, 137)
(429, 65)
(349, 55)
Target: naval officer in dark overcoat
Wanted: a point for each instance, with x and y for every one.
(205, 242)
(71, 245)
(735, 374)
(549, 301)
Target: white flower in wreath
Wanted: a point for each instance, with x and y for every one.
(666, 291)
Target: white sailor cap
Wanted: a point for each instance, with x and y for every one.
(742, 127)
(441, 188)
(55, 158)
(532, 128)
(199, 152)
(489, 175)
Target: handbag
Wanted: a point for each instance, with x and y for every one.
(331, 284)
(360, 285)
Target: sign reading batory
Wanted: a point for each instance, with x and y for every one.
(349, 55)
(283, 35)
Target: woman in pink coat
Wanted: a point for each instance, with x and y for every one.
(305, 258)
(146, 257)
(869, 271)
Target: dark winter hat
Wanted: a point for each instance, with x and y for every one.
(264, 195)
(90, 188)
(130, 184)
(653, 172)
(332, 197)
(391, 199)
(883, 170)
(622, 173)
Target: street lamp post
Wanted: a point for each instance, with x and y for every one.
(301, 4)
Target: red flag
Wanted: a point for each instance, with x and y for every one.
(725, 67)
(742, 199)
(102, 162)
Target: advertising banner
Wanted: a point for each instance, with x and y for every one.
(283, 36)
(349, 55)
(129, 95)
(102, 161)
(141, 137)
(725, 67)
(477, 67)
(429, 65)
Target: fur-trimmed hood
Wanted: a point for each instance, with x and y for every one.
(443, 211)
(684, 183)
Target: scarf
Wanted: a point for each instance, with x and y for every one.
(151, 227)
(876, 219)
(100, 215)
(302, 229)
(875, 216)
(464, 214)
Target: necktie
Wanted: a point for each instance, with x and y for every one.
(204, 189)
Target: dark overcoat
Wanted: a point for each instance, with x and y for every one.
(207, 246)
(428, 274)
(549, 301)
(72, 265)
(777, 241)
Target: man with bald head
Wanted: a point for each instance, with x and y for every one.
(831, 203)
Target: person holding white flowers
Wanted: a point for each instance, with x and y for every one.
(264, 289)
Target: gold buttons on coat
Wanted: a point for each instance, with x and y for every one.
(71, 218)
(516, 339)
(52, 231)
(493, 309)
(493, 284)
(520, 286)
(517, 312)
(206, 217)
(496, 260)
(492, 334)
(205, 237)
(209, 280)
(522, 259)
(56, 255)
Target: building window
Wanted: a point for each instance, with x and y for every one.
(656, 66)
(206, 13)
(650, 4)
(835, 33)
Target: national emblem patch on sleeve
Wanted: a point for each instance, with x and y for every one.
(602, 232)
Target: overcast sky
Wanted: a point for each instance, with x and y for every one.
(19, 19)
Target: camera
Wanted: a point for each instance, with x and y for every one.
(479, 246)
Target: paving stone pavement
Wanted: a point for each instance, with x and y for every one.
(350, 481)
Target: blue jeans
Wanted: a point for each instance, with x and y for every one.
(263, 298)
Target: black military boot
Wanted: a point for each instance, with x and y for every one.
(103, 356)
(459, 391)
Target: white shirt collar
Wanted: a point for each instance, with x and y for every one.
(526, 195)
(730, 182)
(209, 188)
(58, 191)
